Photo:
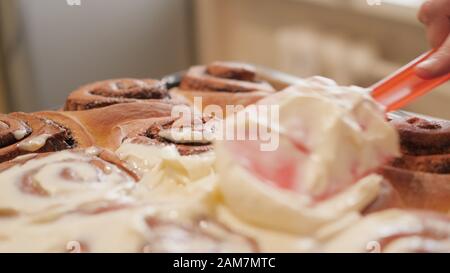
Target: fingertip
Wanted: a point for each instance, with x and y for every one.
(427, 69)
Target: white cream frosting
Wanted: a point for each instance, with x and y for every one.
(20, 134)
(367, 234)
(60, 193)
(165, 161)
(343, 136)
(123, 230)
(186, 135)
(33, 144)
(58, 223)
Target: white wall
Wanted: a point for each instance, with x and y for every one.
(69, 45)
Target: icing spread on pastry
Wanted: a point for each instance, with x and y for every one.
(330, 138)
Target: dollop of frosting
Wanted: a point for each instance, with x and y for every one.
(166, 162)
(330, 139)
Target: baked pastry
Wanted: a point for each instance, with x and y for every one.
(422, 174)
(102, 123)
(61, 181)
(154, 180)
(76, 131)
(131, 227)
(222, 84)
(22, 133)
(395, 231)
(177, 148)
(117, 91)
(425, 145)
(73, 195)
(189, 139)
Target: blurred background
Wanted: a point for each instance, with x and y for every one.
(48, 47)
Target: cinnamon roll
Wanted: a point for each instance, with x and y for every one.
(76, 131)
(131, 228)
(179, 148)
(222, 84)
(102, 123)
(22, 133)
(118, 91)
(198, 235)
(422, 174)
(395, 231)
(61, 181)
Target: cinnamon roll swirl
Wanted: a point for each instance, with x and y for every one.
(188, 140)
(199, 235)
(395, 231)
(117, 91)
(422, 174)
(222, 84)
(102, 123)
(22, 133)
(173, 146)
(61, 181)
(131, 228)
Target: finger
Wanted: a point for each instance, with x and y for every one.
(432, 9)
(425, 12)
(438, 30)
(438, 64)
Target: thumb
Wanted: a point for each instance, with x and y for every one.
(438, 64)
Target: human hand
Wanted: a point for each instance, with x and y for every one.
(435, 15)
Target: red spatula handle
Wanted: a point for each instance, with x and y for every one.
(404, 85)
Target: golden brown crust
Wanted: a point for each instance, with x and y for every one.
(101, 123)
(76, 130)
(118, 91)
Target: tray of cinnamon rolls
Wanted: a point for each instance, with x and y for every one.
(224, 157)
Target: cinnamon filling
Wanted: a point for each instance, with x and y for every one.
(131, 89)
(232, 71)
(224, 77)
(110, 92)
(12, 130)
(189, 140)
(425, 145)
(22, 133)
(423, 137)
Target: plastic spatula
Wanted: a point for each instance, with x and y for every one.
(404, 86)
